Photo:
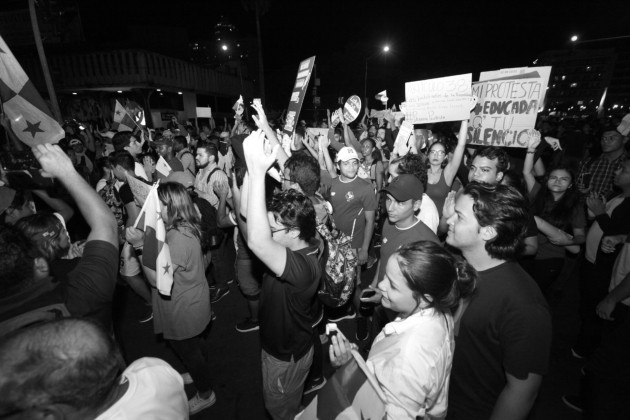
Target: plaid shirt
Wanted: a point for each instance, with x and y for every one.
(597, 175)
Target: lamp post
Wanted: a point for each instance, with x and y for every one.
(575, 40)
(383, 51)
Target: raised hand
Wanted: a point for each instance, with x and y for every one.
(55, 163)
(533, 140)
(257, 158)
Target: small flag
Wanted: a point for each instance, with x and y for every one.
(352, 393)
(382, 96)
(31, 120)
(155, 254)
(122, 119)
(238, 105)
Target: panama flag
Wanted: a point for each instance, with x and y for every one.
(122, 119)
(352, 393)
(382, 96)
(31, 120)
(155, 253)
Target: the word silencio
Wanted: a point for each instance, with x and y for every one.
(509, 100)
(297, 96)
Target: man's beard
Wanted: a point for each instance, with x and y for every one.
(205, 165)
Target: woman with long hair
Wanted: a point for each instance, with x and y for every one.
(411, 358)
(560, 217)
(442, 167)
(183, 317)
(371, 168)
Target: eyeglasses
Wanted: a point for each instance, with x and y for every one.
(279, 230)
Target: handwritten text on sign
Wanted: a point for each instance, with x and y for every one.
(442, 99)
(508, 106)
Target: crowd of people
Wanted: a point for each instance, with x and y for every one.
(459, 253)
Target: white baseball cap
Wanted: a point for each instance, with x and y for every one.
(346, 154)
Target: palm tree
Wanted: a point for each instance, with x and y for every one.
(259, 7)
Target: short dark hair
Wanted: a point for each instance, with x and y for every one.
(121, 140)
(16, 260)
(492, 153)
(68, 361)
(211, 150)
(181, 140)
(294, 210)
(304, 170)
(125, 160)
(435, 275)
(38, 227)
(415, 165)
(505, 209)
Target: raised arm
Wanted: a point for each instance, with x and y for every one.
(350, 139)
(263, 124)
(98, 216)
(458, 154)
(323, 152)
(57, 204)
(528, 166)
(259, 238)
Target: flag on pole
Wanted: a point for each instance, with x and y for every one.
(382, 96)
(31, 120)
(238, 105)
(122, 119)
(352, 393)
(155, 253)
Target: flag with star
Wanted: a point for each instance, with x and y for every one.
(352, 393)
(31, 120)
(155, 253)
(122, 119)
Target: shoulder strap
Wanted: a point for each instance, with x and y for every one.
(210, 174)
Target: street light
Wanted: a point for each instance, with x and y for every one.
(224, 47)
(383, 51)
(574, 38)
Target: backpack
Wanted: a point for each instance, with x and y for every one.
(213, 235)
(110, 196)
(339, 265)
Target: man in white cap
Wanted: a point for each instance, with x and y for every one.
(354, 206)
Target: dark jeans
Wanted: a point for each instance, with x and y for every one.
(221, 270)
(193, 352)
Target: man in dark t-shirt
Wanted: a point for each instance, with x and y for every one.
(283, 237)
(25, 282)
(505, 333)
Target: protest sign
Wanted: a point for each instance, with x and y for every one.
(140, 189)
(297, 96)
(204, 112)
(402, 144)
(336, 117)
(508, 105)
(162, 167)
(379, 114)
(436, 100)
(352, 109)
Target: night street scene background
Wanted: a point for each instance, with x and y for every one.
(172, 58)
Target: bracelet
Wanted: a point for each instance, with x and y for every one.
(530, 151)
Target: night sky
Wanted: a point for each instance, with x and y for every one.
(427, 39)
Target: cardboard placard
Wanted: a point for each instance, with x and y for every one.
(204, 112)
(298, 94)
(401, 144)
(139, 189)
(352, 109)
(441, 99)
(336, 116)
(508, 105)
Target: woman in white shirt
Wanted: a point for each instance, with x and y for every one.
(411, 358)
